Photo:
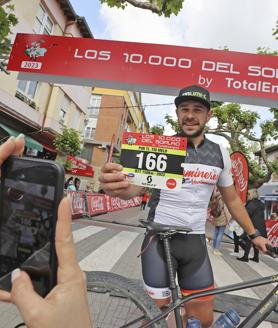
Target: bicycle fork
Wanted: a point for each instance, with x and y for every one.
(173, 285)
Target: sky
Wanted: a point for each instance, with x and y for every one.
(241, 25)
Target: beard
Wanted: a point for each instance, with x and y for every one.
(196, 133)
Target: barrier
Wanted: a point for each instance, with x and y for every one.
(272, 231)
(89, 204)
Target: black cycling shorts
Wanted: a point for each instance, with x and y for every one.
(190, 259)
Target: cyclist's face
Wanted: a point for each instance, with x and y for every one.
(192, 117)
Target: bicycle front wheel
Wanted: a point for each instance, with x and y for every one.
(118, 302)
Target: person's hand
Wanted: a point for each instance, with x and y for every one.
(66, 305)
(260, 243)
(114, 183)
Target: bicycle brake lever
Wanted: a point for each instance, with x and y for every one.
(272, 251)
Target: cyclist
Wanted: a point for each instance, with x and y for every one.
(206, 165)
(66, 306)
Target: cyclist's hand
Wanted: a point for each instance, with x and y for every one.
(114, 183)
(261, 242)
(66, 305)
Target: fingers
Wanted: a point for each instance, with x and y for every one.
(23, 294)
(19, 145)
(7, 149)
(64, 243)
(13, 146)
(5, 296)
(111, 167)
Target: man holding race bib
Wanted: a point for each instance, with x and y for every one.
(206, 165)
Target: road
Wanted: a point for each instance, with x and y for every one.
(111, 242)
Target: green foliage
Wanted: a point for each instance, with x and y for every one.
(173, 123)
(68, 142)
(7, 21)
(157, 129)
(160, 7)
(275, 31)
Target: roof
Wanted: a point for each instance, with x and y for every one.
(80, 21)
(268, 150)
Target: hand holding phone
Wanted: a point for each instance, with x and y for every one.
(66, 305)
(31, 190)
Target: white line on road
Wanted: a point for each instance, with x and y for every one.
(83, 233)
(106, 256)
(225, 275)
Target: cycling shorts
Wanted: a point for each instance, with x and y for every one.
(190, 260)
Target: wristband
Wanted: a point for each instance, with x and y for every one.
(254, 235)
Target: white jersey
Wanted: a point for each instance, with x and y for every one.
(205, 167)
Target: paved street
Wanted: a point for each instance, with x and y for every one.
(111, 242)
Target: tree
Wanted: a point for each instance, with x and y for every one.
(160, 7)
(157, 129)
(67, 143)
(7, 21)
(237, 127)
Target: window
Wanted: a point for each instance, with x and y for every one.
(94, 105)
(64, 108)
(89, 132)
(27, 88)
(43, 23)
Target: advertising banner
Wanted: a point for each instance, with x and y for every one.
(96, 204)
(153, 68)
(77, 203)
(240, 172)
(272, 231)
(79, 167)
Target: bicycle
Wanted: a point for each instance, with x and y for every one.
(132, 307)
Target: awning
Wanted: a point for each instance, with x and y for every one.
(49, 148)
(29, 142)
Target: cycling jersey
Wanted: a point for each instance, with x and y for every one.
(205, 166)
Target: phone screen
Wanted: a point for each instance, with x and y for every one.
(30, 193)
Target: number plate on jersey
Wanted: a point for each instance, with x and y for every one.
(153, 161)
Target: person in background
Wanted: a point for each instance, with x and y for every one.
(255, 209)
(237, 231)
(67, 182)
(66, 306)
(220, 222)
(77, 182)
(70, 185)
(145, 198)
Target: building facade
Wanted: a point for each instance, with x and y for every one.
(37, 109)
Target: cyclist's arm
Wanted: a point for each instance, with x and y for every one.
(114, 182)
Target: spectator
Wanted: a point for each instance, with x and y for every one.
(77, 183)
(145, 198)
(70, 185)
(255, 209)
(220, 221)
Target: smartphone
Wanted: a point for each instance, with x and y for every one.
(31, 190)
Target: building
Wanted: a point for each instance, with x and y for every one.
(41, 110)
(111, 112)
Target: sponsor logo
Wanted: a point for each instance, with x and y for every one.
(195, 94)
(35, 50)
(197, 176)
(171, 183)
(237, 168)
(130, 140)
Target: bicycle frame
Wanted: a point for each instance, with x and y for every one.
(263, 309)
